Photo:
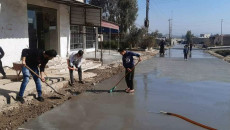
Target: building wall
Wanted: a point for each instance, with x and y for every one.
(201, 40)
(64, 31)
(80, 1)
(226, 40)
(13, 29)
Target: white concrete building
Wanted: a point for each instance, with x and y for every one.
(63, 25)
(205, 35)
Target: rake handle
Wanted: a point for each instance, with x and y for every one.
(127, 74)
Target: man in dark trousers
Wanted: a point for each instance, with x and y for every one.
(162, 47)
(128, 63)
(185, 50)
(75, 60)
(1, 68)
(190, 47)
(34, 58)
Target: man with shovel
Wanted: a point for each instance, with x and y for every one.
(34, 58)
(75, 60)
(128, 63)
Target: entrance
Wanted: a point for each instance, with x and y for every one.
(42, 28)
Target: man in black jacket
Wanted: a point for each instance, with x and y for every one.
(34, 58)
(1, 68)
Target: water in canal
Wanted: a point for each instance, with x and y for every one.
(198, 89)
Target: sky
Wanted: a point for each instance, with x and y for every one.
(199, 16)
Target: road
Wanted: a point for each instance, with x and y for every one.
(198, 89)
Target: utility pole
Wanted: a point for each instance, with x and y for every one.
(147, 16)
(170, 30)
(221, 31)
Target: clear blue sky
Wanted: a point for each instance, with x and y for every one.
(199, 16)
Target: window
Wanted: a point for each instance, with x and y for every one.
(90, 37)
(76, 37)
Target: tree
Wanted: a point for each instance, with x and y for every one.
(123, 12)
(156, 34)
(127, 14)
(135, 36)
(109, 8)
(189, 36)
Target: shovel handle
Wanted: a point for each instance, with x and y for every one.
(44, 81)
(33, 72)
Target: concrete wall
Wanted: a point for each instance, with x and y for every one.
(80, 1)
(63, 24)
(13, 29)
(226, 40)
(64, 31)
(206, 41)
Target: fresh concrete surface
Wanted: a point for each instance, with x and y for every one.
(197, 89)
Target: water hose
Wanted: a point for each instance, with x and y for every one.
(188, 120)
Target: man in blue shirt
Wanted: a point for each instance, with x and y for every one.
(128, 63)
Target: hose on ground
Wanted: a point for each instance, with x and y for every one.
(188, 120)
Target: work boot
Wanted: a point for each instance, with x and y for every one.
(20, 99)
(82, 82)
(4, 77)
(41, 99)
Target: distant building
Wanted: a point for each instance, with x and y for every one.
(205, 35)
(216, 40)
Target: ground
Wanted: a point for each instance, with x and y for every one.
(15, 116)
(197, 88)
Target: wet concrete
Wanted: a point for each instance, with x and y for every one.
(198, 89)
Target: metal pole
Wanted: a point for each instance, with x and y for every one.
(101, 43)
(147, 16)
(96, 36)
(118, 39)
(221, 31)
(109, 40)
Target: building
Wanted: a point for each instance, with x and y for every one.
(63, 25)
(216, 40)
(205, 35)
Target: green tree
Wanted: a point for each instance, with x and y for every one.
(127, 14)
(123, 12)
(135, 36)
(189, 36)
(109, 8)
(156, 34)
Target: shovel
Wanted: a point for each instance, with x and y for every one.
(44, 81)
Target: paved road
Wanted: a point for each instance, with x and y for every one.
(198, 89)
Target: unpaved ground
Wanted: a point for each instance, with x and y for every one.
(16, 116)
(225, 58)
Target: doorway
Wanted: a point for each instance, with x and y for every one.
(42, 28)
